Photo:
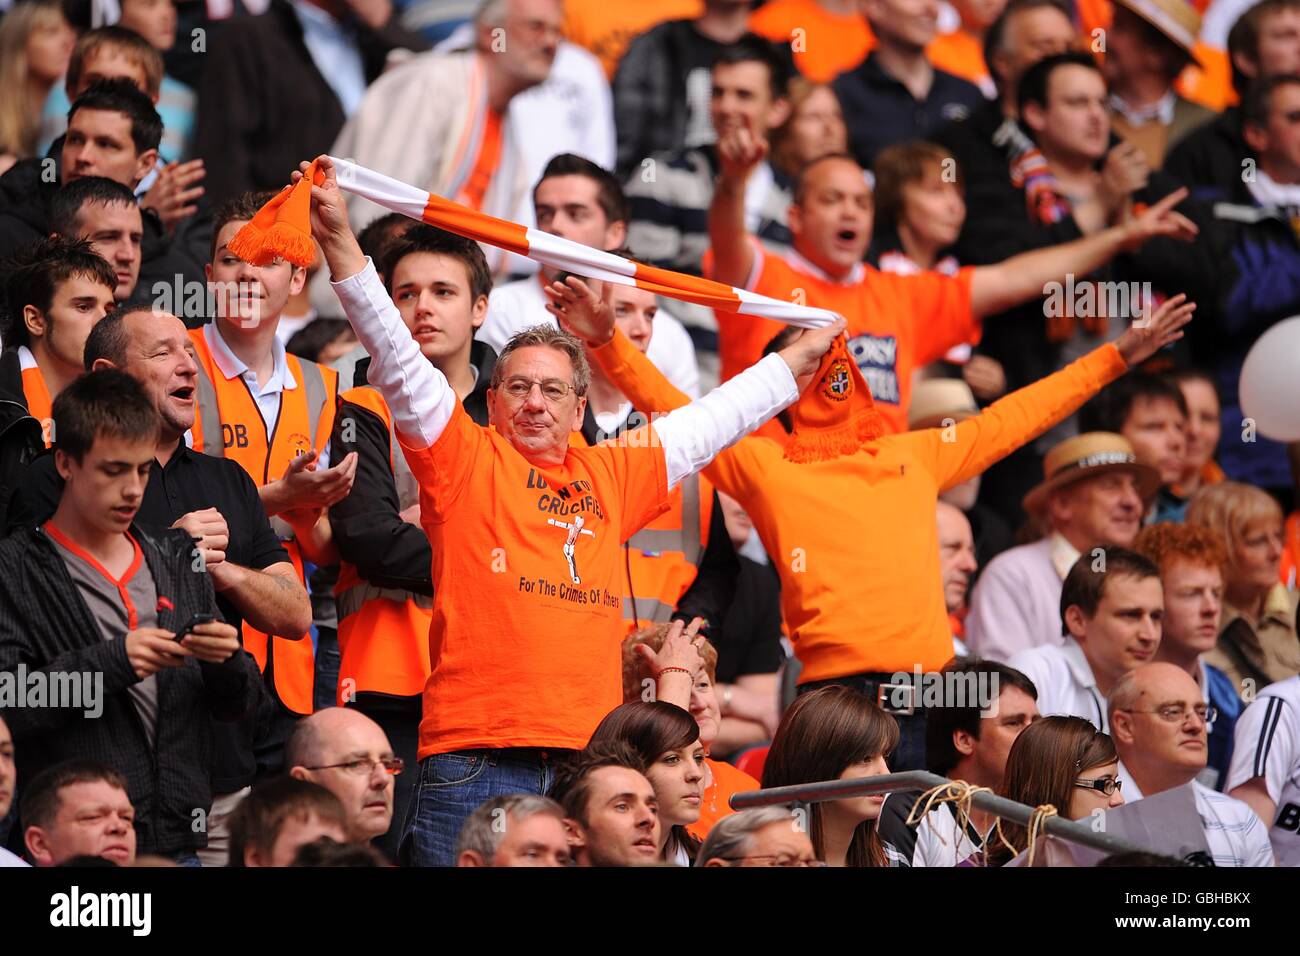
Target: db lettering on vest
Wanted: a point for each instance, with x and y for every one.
(234, 436)
(877, 357)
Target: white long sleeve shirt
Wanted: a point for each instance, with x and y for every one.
(422, 401)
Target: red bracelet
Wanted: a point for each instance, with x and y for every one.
(667, 669)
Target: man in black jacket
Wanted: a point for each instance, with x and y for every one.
(90, 598)
(266, 99)
(211, 498)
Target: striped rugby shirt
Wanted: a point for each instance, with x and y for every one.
(1267, 745)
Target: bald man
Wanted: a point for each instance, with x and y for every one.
(956, 555)
(348, 754)
(956, 564)
(1158, 720)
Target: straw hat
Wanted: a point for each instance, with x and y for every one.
(1176, 19)
(936, 399)
(1087, 456)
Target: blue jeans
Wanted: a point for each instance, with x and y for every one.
(453, 785)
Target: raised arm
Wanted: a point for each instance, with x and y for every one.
(417, 393)
(740, 152)
(970, 447)
(998, 287)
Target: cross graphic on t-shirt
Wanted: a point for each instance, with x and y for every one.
(571, 543)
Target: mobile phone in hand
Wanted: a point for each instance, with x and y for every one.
(194, 621)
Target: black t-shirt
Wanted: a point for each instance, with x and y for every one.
(188, 482)
(749, 641)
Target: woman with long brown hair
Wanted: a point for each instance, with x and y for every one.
(836, 733)
(1062, 761)
(668, 740)
(35, 47)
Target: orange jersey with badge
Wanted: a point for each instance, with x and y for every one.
(525, 643)
(896, 323)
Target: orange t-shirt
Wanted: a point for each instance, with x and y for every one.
(896, 323)
(726, 781)
(607, 28)
(824, 44)
(522, 655)
(485, 164)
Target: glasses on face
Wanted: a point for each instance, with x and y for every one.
(554, 390)
(775, 860)
(1177, 713)
(362, 767)
(1107, 785)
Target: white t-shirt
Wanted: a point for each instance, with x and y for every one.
(519, 305)
(7, 859)
(1267, 744)
(1064, 681)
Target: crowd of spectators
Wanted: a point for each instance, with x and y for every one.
(423, 553)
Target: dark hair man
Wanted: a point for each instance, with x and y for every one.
(129, 612)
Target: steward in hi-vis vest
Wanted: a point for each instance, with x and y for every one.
(230, 424)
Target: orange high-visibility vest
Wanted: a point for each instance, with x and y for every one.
(663, 558)
(228, 424)
(383, 632)
(39, 404)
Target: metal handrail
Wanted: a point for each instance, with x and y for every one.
(922, 780)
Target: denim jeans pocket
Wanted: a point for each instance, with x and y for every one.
(454, 769)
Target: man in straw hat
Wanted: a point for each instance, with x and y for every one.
(1147, 46)
(850, 521)
(1093, 494)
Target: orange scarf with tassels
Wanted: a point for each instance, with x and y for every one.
(834, 417)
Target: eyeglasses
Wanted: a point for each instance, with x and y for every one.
(1177, 713)
(776, 860)
(1107, 785)
(554, 390)
(358, 768)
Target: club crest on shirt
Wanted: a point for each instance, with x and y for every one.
(838, 383)
(299, 444)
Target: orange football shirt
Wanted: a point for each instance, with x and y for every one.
(525, 642)
(896, 323)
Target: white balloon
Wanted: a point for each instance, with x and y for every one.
(1270, 382)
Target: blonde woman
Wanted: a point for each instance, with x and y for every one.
(1258, 640)
(35, 45)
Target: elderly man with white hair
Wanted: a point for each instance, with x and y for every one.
(764, 836)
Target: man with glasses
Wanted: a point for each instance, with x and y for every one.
(525, 661)
(764, 836)
(348, 754)
(1191, 560)
(1159, 721)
